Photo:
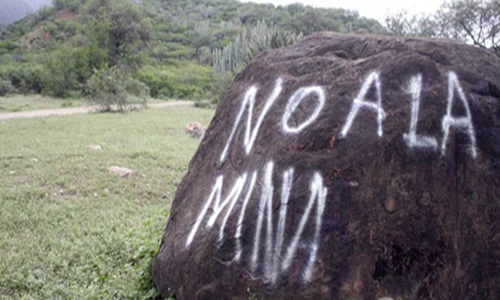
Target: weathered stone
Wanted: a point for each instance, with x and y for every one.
(374, 174)
(195, 129)
(120, 171)
(95, 147)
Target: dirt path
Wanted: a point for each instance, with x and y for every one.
(76, 110)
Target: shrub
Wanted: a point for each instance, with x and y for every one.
(25, 78)
(203, 104)
(220, 84)
(114, 89)
(180, 81)
(59, 76)
(144, 248)
(6, 88)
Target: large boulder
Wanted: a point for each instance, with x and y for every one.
(345, 167)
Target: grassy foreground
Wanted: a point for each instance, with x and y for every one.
(69, 229)
(18, 102)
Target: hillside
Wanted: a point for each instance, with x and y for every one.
(157, 38)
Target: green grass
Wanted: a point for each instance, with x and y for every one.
(17, 102)
(68, 228)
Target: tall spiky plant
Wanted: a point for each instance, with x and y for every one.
(249, 43)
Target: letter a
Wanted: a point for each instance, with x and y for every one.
(464, 123)
(360, 102)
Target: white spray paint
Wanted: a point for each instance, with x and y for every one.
(318, 196)
(241, 217)
(265, 204)
(233, 196)
(321, 191)
(275, 258)
(463, 123)
(278, 254)
(249, 103)
(278, 245)
(295, 101)
(412, 139)
(359, 102)
(274, 264)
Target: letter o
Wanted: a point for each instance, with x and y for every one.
(294, 102)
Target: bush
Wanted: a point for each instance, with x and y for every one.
(203, 104)
(114, 89)
(220, 84)
(184, 81)
(144, 246)
(6, 88)
(25, 78)
(59, 77)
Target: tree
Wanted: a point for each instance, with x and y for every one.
(128, 33)
(473, 21)
(73, 5)
(404, 24)
(114, 89)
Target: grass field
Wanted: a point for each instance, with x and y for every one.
(68, 228)
(15, 103)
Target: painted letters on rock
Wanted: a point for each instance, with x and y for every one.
(345, 167)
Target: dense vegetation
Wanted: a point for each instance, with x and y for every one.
(169, 46)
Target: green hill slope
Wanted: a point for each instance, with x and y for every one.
(72, 39)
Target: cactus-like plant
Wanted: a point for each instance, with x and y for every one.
(248, 44)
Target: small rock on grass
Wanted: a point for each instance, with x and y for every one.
(195, 129)
(95, 147)
(120, 171)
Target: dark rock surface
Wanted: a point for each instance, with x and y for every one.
(395, 194)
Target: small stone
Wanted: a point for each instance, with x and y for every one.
(34, 159)
(390, 204)
(354, 183)
(120, 171)
(195, 129)
(95, 147)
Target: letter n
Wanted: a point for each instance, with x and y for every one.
(248, 105)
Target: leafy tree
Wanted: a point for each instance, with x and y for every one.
(404, 24)
(114, 89)
(127, 31)
(6, 88)
(59, 77)
(73, 5)
(473, 21)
